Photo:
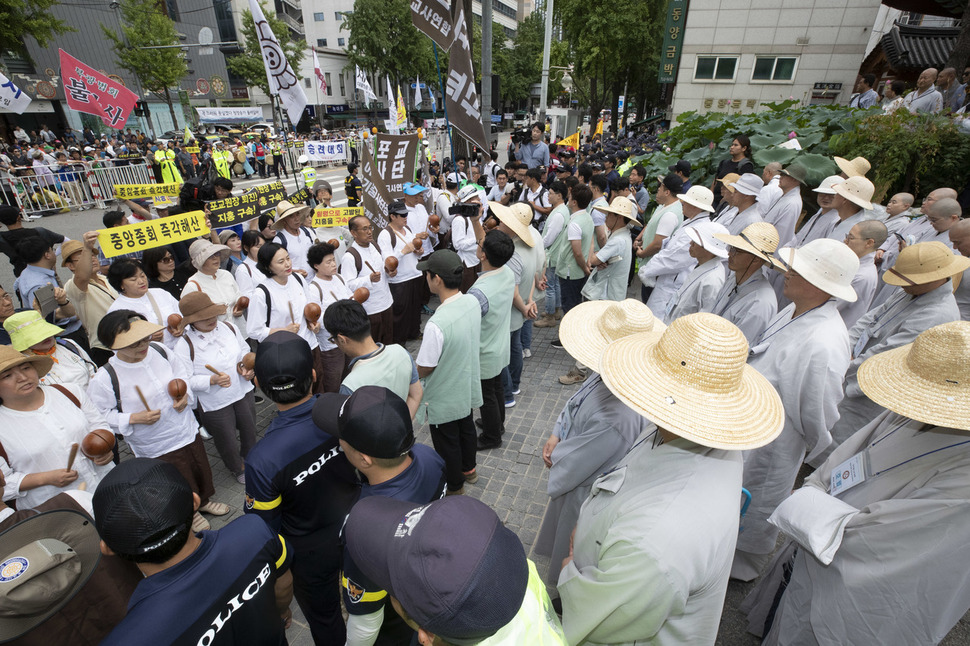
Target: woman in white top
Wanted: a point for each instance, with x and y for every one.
(463, 235)
(278, 301)
(225, 397)
(131, 391)
(323, 194)
(398, 241)
(32, 335)
(218, 283)
(326, 288)
(156, 305)
(247, 275)
(38, 424)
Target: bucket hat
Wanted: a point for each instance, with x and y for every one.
(9, 358)
(749, 184)
(197, 306)
(29, 328)
(202, 250)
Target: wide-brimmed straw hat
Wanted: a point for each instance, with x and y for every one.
(923, 263)
(197, 306)
(728, 181)
(857, 167)
(927, 380)
(827, 184)
(827, 264)
(285, 209)
(29, 328)
(698, 196)
(588, 328)
(622, 206)
(9, 358)
(201, 250)
(694, 381)
(857, 190)
(138, 330)
(68, 249)
(45, 561)
(704, 235)
(511, 219)
(758, 238)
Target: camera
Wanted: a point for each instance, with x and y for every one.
(465, 210)
(516, 191)
(522, 135)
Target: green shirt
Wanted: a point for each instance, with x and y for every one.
(566, 266)
(561, 243)
(497, 287)
(390, 366)
(454, 388)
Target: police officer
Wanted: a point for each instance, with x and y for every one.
(166, 161)
(222, 158)
(352, 185)
(352, 142)
(308, 174)
(300, 482)
(375, 431)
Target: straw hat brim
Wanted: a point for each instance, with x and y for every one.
(855, 199)
(507, 217)
(609, 209)
(42, 363)
(216, 309)
(847, 167)
(294, 210)
(958, 265)
(580, 335)
(886, 379)
(740, 243)
(747, 418)
(139, 330)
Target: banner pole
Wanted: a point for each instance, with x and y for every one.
(444, 101)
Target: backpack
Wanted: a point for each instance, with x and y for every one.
(113, 374)
(231, 327)
(269, 300)
(358, 261)
(282, 239)
(76, 349)
(195, 189)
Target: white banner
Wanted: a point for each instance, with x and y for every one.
(12, 97)
(282, 80)
(229, 115)
(434, 123)
(363, 85)
(326, 151)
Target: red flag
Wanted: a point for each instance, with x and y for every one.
(90, 91)
(318, 71)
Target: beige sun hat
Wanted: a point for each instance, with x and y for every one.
(623, 206)
(857, 167)
(923, 263)
(827, 183)
(728, 180)
(201, 250)
(68, 249)
(698, 196)
(827, 264)
(857, 190)
(758, 238)
(285, 209)
(513, 220)
(694, 381)
(138, 329)
(588, 328)
(9, 358)
(927, 380)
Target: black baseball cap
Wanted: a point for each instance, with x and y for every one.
(373, 420)
(565, 168)
(142, 504)
(397, 207)
(673, 183)
(682, 166)
(283, 360)
(442, 263)
(452, 564)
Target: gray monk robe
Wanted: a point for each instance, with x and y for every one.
(883, 562)
(599, 429)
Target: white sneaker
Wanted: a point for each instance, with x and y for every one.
(527, 354)
(204, 433)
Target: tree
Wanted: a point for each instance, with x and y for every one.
(22, 18)
(249, 64)
(521, 65)
(158, 70)
(960, 56)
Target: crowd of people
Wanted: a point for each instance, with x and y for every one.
(769, 350)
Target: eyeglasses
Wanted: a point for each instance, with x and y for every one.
(367, 228)
(849, 238)
(167, 259)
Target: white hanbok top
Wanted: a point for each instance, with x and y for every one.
(699, 290)
(284, 300)
(155, 305)
(222, 348)
(325, 293)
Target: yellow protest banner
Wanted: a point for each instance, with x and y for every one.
(136, 191)
(153, 233)
(571, 140)
(192, 149)
(335, 217)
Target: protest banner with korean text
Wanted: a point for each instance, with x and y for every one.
(153, 233)
(373, 191)
(12, 97)
(299, 197)
(433, 18)
(394, 160)
(335, 217)
(91, 92)
(242, 208)
(461, 98)
(137, 191)
(326, 151)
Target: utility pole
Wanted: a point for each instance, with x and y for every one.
(487, 68)
(546, 46)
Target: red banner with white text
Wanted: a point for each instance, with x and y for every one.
(90, 91)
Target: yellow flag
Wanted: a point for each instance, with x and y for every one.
(599, 127)
(572, 140)
(402, 113)
(188, 135)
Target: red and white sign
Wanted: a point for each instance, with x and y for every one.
(90, 91)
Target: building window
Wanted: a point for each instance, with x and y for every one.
(318, 16)
(306, 82)
(343, 86)
(771, 68)
(172, 9)
(338, 16)
(715, 68)
(321, 42)
(329, 84)
(340, 42)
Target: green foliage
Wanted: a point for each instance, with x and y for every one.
(249, 64)
(143, 25)
(521, 65)
(383, 41)
(22, 18)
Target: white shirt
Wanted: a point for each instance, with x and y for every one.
(699, 290)
(325, 293)
(784, 213)
(222, 349)
(152, 374)
(769, 194)
(407, 263)
(670, 266)
(297, 246)
(282, 299)
(340, 234)
(464, 242)
(599, 217)
(165, 302)
(433, 342)
(68, 367)
(40, 440)
(495, 194)
(247, 277)
(380, 294)
(441, 205)
(554, 224)
(222, 290)
(418, 222)
(864, 283)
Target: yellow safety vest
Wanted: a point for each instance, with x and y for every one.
(536, 623)
(309, 176)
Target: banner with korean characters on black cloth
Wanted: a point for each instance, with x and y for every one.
(152, 233)
(375, 196)
(461, 98)
(242, 208)
(395, 157)
(433, 18)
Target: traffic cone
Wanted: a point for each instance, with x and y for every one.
(434, 157)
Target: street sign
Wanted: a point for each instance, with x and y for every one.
(414, 87)
(620, 105)
(496, 118)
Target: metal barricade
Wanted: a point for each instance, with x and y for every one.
(103, 180)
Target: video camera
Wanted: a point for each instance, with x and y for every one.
(522, 135)
(465, 210)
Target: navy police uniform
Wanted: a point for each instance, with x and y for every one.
(222, 593)
(300, 482)
(422, 482)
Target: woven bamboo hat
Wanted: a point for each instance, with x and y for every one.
(588, 328)
(694, 381)
(512, 219)
(287, 209)
(927, 380)
(758, 238)
(857, 190)
(923, 263)
(857, 167)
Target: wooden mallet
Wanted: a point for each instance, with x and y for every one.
(141, 396)
(72, 455)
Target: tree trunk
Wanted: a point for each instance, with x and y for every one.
(960, 56)
(171, 109)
